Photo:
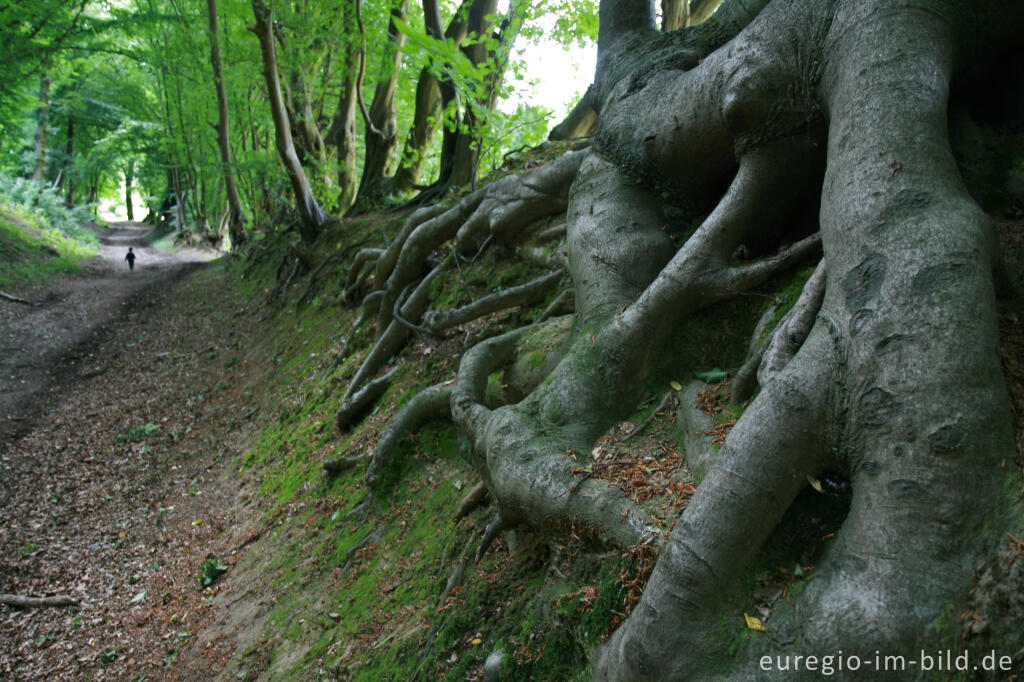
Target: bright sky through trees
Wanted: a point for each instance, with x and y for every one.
(555, 76)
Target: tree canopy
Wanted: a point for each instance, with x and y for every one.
(100, 96)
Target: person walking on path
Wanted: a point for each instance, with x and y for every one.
(130, 257)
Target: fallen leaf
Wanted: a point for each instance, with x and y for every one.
(753, 623)
(675, 385)
(139, 598)
(815, 483)
(477, 642)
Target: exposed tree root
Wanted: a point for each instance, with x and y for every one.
(666, 402)
(439, 320)
(355, 271)
(396, 333)
(562, 305)
(545, 258)
(361, 400)
(431, 403)
(370, 538)
(473, 499)
(793, 329)
(333, 467)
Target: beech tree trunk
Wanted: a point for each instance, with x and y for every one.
(236, 215)
(343, 128)
(742, 123)
(312, 216)
(432, 96)
(381, 140)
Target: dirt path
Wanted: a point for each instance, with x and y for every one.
(38, 343)
(120, 402)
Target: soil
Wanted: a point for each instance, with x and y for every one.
(116, 426)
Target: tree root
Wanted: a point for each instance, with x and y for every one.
(431, 403)
(529, 473)
(20, 602)
(355, 270)
(540, 256)
(368, 539)
(665, 402)
(369, 504)
(474, 498)
(562, 305)
(358, 402)
(386, 262)
(793, 328)
(491, 532)
(396, 333)
(438, 321)
(333, 467)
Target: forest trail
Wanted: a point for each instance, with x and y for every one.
(67, 311)
(117, 397)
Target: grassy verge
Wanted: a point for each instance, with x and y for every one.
(39, 238)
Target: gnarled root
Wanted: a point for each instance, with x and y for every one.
(361, 400)
(431, 403)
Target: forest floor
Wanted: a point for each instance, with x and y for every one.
(111, 445)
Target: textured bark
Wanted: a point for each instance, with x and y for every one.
(236, 215)
(381, 140)
(580, 122)
(343, 128)
(906, 322)
(312, 216)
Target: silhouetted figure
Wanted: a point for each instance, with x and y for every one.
(130, 257)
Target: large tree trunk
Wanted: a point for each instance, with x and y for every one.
(460, 144)
(343, 128)
(432, 96)
(236, 215)
(381, 140)
(780, 104)
(311, 216)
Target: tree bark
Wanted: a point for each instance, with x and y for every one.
(312, 217)
(381, 139)
(432, 96)
(236, 214)
(129, 178)
(343, 128)
(869, 391)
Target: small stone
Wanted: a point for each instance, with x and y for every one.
(492, 666)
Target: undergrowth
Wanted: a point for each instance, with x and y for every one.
(39, 237)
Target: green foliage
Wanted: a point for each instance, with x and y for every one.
(137, 433)
(210, 570)
(38, 236)
(35, 202)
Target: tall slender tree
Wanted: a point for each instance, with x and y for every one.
(236, 215)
